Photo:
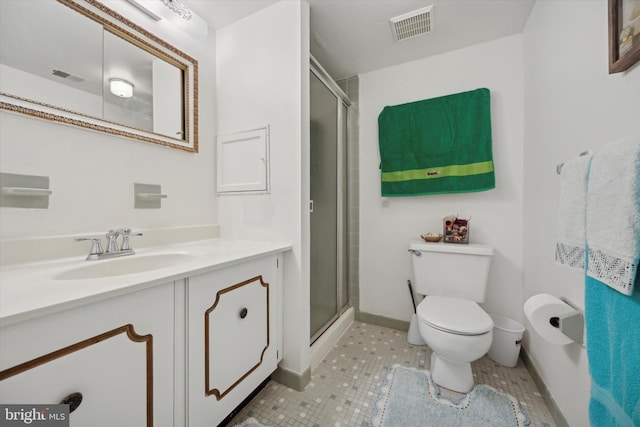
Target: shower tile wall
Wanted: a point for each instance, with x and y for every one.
(350, 87)
(344, 387)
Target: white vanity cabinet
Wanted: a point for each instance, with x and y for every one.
(179, 346)
(233, 335)
(117, 354)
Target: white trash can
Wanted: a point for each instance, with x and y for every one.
(507, 336)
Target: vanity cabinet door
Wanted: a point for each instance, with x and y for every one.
(116, 355)
(232, 336)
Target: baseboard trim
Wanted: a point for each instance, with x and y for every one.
(375, 319)
(292, 379)
(546, 395)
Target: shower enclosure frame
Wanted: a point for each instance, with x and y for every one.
(342, 286)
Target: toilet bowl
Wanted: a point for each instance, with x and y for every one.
(458, 332)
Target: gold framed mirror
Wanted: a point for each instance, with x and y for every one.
(81, 63)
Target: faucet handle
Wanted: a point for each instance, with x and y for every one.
(127, 232)
(126, 243)
(96, 245)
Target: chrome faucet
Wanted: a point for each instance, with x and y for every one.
(113, 250)
(112, 241)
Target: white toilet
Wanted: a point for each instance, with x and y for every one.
(453, 278)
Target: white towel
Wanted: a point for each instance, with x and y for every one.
(613, 214)
(570, 226)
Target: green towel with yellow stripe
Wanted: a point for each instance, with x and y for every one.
(437, 145)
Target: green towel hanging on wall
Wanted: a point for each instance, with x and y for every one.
(438, 145)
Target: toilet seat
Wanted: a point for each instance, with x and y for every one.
(454, 315)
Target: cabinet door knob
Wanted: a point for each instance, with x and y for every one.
(73, 400)
(243, 313)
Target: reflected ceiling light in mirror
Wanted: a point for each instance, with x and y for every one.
(121, 88)
(177, 13)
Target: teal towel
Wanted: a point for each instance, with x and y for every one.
(438, 145)
(613, 347)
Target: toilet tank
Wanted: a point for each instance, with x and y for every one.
(453, 270)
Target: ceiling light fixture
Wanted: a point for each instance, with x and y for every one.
(144, 10)
(177, 7)
(175, 12)
(121, 88)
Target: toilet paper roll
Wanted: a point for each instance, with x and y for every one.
(543, 312)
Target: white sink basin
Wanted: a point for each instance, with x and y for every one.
(121, 266)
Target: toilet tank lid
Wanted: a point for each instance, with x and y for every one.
(459, 248)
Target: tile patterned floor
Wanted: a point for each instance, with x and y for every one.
(344, 387)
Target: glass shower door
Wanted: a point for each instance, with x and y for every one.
(327, 218)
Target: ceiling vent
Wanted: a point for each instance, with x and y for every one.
(412, 24)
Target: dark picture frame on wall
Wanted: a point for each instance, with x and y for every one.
(624, 34)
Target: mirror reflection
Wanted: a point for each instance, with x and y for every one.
(37, 65)
(55, 56)
(139, 89)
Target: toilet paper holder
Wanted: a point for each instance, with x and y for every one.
(570, 324)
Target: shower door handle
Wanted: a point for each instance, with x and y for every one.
(311, 206)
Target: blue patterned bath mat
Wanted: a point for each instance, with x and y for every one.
(249, 422)
(409, 397)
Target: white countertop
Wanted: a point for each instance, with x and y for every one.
(31, 290)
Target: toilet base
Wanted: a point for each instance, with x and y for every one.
(454, 376)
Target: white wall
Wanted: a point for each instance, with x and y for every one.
(92, 174)
(571, 104)
(387, 226)
(263, 79)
